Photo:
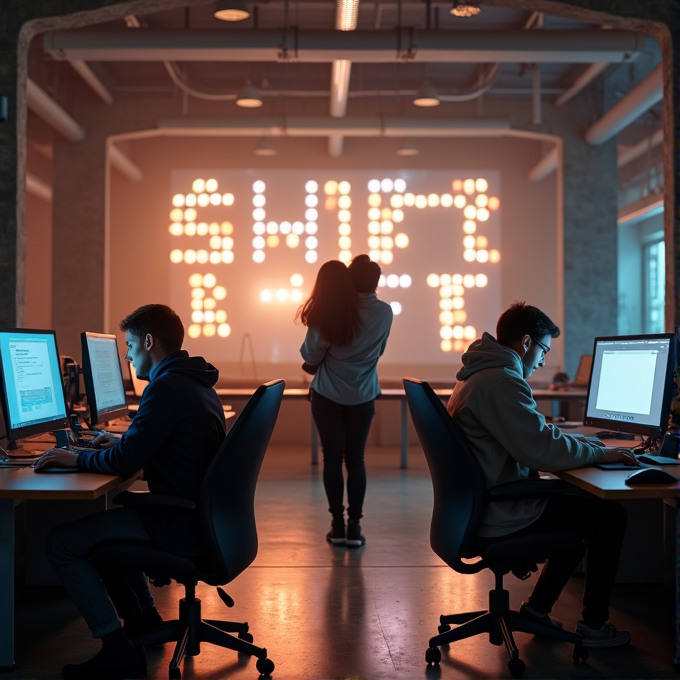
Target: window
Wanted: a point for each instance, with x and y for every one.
(654, 263)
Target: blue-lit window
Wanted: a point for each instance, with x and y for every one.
(654, 259)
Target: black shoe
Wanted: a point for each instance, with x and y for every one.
(355, 539)
(336, 535)
(148, 621)
(109, 664)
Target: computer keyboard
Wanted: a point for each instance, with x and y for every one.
(657, 460)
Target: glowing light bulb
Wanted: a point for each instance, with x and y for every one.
(190, 200)
(190, 228)
(176, 229)
(209, 280)
(469, 281)
(273, 241)
(259, 200)
(298, 228)
(203, 200)
(445, 280)
(387, 185)
(409, 200)
(392, 281)
(194, 331)
(311, 256)
(219, 292)
(258, 243)
(227, 199)
(401, 241)
(494, 203)
(215, 199)
(344, 202)
(397, 201)
(421, 201)
(433, 200)
(482, 214)
(374, 214)
(345, 242)
(470, 212)
(259, 186)
(399, 186)
(224, 330)
(220, 316)
(311, 201)
(446, 200)
(432, 280)
(344, 187)
(446, 345)
(345, 256)
(458, 332)
(386, 242)
(259, 228)
(446, 332)
(259, 214)
(469, 186)
(494, 256)
(482, 201)
(311, 242)
(258, 256)
(292, 240)
(227, 256)
(344, 230)
(330, 188)
(272, 227)
(374, 186)
(176, 256)
(396, 308)
(374, 242)
(386, 227)
(178, 200)
(211, 185)
(266, 296)
(459, 201)
(311, 214)
(344, 215)
(209, 330)
(482, 255)
(446, 318)
(469, 242)
(296, 280)
(190, 256)
(405, 281)
(374, 255)
(469, 255)
(190, 214)
(227, 229)
(311, 187)
(198, 186)
(469, 226)
(481, 280)
(282, 295)
(285, 227)
(481, 185)
(374, 227)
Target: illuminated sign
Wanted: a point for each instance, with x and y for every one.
(260, 236)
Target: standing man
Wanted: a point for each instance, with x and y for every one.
(493, 405)
(177, 430)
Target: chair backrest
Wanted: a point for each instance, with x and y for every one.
(227, 496)
(457, 480)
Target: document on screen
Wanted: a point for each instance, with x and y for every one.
(108, 383)
(34, 386)
(627, 381)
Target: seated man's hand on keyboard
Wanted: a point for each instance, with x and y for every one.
(618, 454)
(105, 440)
(56, 458)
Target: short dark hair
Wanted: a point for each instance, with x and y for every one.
(365, 274)
(159, 321)
(522, 319)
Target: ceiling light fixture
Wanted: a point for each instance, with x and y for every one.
(232, 10)
(408, 148)
(249, 97)
(464, 9)
(266, 148)
(346, 14)
(427, 96)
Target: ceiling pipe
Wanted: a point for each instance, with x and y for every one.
(581, 82)
(44, 106)
(124, 165)
(546, 166)
(310, 46)
(37, 187)
(630, 153)
(640, 99)
(89, 76)
(641, 210)
(325, 127)
(345, 20)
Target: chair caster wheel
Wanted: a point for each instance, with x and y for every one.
(444, 628)
(265, 666)
(245, 636)
(516, 667)
(175, 674)
(580, 654)
(433, 656)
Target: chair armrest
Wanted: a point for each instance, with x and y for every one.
(141, 499)
(526, 488)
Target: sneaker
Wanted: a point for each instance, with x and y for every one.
(336, 535)
(545, 619)
(355, 539)
(605, 636)
(109, 664)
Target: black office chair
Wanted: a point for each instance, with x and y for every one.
(226, 513)
(460, 496)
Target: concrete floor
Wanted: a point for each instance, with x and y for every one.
(325, 612)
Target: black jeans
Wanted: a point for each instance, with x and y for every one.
(343, 431)
(602, 523)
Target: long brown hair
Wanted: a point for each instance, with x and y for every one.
(333, 308)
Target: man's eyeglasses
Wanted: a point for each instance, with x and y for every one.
(545, 348)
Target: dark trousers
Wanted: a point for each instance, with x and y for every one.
(343, 431)
(602, 523)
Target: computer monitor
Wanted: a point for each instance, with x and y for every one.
(103, 377)
(632, 384)
(585, 367)
(138, 385)
(31, 389)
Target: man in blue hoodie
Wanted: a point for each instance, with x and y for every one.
(177, 430)
(493, 405)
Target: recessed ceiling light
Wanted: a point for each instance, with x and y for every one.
(427, 96)
(464, 9)
(232, 10)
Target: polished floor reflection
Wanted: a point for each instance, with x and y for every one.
(325, 612)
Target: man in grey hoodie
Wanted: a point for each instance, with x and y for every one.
(493, 405)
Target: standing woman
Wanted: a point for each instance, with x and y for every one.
(347, 329)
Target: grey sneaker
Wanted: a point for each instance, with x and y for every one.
(605, 636)
(355, 539)
(526, 610)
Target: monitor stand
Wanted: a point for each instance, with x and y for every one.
(15, 451)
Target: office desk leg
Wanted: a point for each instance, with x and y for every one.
(404, 434)
(677, 583)
(6, 584)
(315, 443)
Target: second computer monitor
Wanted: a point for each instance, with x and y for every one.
(103, 377)
(632, 383)
(31, 392)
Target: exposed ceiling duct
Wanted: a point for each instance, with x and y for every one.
(640, 99)
(90, 77)
(37, 187)
(294, 126)
(581, 82)
(630, 153)
(44, 106)
(124, 165)
(312, 46)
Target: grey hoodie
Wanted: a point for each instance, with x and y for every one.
(493, 406)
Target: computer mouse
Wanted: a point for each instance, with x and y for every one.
(651, 476)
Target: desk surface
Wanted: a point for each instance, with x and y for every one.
(612, 484)
(79, 486)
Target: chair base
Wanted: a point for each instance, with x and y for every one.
(499, 622)
(190, 630)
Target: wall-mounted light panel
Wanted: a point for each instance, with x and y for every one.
(245, 247)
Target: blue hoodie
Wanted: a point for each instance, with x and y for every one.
(177, 430)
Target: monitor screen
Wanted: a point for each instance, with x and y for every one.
(103, 377)
(631, 385)
(32, 390)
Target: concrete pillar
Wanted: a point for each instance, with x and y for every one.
(80, 248)
(12, 174)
